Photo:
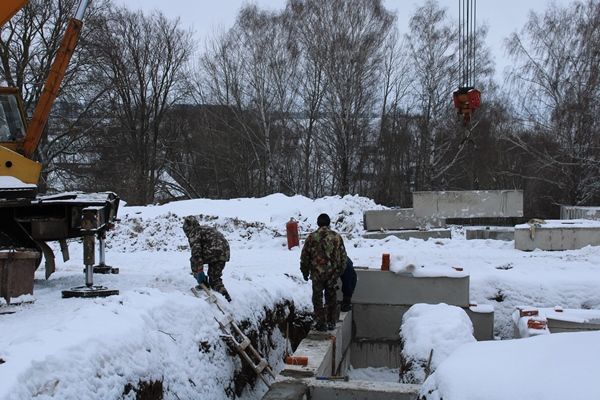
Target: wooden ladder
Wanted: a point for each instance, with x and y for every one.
(238, 339)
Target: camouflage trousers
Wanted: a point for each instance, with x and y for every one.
(215, 277)
(327, 313)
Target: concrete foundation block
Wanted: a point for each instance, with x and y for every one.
(362, 390)
(326, 351)
(482, 318)
(560, 326)
(579, 212)
(376, 353)
(398, 219)
(378, 321)
(318, 347)
(469, 204)
(343, 338)
(287, 390)
(382, 321)
(385, 287)
(494, 233)
(411, 234)
(558, 235)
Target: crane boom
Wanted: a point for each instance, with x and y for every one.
(59, 67)
(8, 8)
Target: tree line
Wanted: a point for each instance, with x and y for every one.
(320, 98)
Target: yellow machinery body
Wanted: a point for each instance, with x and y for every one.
(18, 139)
(28, 221)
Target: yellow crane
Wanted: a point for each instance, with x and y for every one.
(28, 221)
(19, 139)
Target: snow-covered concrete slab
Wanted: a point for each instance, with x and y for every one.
(490, 232)
(362, 390)
(411, 234)
(579, 212)
(557, 235)
(386, 287)
(532, 321)
(469, 204)
(399, 219)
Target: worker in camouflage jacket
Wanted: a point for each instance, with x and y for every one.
(208, 246)
(323, 260)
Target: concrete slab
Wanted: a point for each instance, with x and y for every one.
(579, 212)
(398, 219)
(558, 235)
(319, 350)
(343, 338)
(494, 233)
(347, 319)
(378, 321)
(385, 287)
(287, 390)
(382, 321)
(362, 390)
(325, 350)
(376, 353)
(411, 234)
(482, 317)
(469, 204)
(559, 326)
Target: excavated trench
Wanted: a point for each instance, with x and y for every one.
(284, 317)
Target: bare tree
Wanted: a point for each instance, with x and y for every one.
(432, 48)
(557, 83)
(252, 70)
(349, 38)
(140, 63)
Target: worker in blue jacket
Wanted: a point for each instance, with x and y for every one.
(348, 284)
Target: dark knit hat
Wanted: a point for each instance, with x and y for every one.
(190, 223)
(323, 220)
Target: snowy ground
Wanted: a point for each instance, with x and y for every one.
(156, 330)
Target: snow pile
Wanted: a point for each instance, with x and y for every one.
(431, 330)
(549, 367)
(10, 182)
(156, 331)
(158, 228)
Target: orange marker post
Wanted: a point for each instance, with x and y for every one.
(385, 262)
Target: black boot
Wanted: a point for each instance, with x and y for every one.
(346, 304)
(321, 326)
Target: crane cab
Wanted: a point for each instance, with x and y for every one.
(13, 125)
(13, 130)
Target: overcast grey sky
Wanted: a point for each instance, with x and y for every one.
(205, 16)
